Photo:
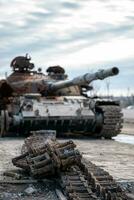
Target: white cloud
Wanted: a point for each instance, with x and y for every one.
(116, 49)
(75, 34)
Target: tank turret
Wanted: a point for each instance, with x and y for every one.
(56, 80)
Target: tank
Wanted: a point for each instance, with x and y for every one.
(31, 100)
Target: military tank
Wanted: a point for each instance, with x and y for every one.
(31, 100)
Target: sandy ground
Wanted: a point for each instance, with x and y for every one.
(9, 148)
(128, 127)
(116, 157)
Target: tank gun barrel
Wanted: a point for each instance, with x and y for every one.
(85, 79)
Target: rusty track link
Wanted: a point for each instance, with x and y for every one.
(112, 121)
(87, 181)
(102, 182)
(75, 186)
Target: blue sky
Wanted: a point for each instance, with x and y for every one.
(80, 35)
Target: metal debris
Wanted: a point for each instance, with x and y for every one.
(42, 157)
(30, 190)
(77, 178)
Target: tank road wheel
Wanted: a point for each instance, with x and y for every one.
(4, 123)
(112, 121)
(7, 120)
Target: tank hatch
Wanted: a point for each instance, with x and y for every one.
(56, 72)
(22, 64)
(55, 69)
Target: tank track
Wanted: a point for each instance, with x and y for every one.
(87, 181)
(75, 186)
(112, 121)
(79, 179)
(102, 182)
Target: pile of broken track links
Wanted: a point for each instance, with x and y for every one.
(43, 156)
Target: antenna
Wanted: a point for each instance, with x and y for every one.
(5, 75)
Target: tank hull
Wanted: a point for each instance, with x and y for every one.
(69, 116)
